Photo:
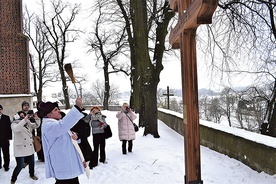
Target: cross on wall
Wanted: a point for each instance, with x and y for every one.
(168, 97)
(191, 13)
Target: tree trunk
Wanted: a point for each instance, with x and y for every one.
(270, 115)
(106, 87)
(272, 123)
(65, 93)
(141, 55)
(144, 72)
(64, 83)
(150, 101)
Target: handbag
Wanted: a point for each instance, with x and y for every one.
(37, 144)
(136, 128)
(107, 132)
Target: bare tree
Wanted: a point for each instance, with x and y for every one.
(215, 110)
(176, 106)
(254, 99)
(98, 91)
(109, 44)
(141, 19)
(59, 32)
(41, 59)
(228, 101)
(160, 98)
(242, 40)
(203, 107)
(89, 99)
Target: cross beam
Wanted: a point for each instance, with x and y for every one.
(199, 12)
(192, 13)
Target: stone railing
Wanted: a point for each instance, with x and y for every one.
(255, 150)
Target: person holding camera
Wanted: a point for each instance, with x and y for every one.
(98, 123)
(24, 108)
(23, 143)
(125, 127)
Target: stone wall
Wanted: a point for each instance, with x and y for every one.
(257, 155)
(12, 103)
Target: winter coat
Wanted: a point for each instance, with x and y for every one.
(62, 160)
(125, 126)
(97, 122)
(5, 129)
(83, 131)
(23, 138)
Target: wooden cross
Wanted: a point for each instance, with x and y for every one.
(168, 96)
(191, 13)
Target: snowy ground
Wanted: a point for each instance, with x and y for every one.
(152, 161)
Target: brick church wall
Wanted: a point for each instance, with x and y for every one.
(14, 59)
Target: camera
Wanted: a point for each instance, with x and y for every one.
(30, 112)
(31, 118)
(127, 110)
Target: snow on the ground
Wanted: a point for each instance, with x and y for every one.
(153, 161)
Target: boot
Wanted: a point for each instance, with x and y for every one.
(124, 151)
(34, 177)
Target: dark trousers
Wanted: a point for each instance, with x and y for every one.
(130, 144)
(5, 147)
(86, 149)
(40, 154)
(19, 165)
(98, 142)
(68, 181)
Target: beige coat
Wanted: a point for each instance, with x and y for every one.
(125, 126)
(23, 142)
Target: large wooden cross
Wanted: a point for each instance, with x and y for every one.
(191, 13)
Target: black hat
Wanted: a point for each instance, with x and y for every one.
(25, 103)
(20, 112)
(1, 107)
(45, 108)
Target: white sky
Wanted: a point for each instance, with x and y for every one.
(170, 76)
(153, 161)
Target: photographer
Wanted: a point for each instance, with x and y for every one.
(126, 128)
(23, 142)
(98, 123)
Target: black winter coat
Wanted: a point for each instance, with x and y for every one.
(5, 129)
(83, 131)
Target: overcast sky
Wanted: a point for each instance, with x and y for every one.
(170, 76)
